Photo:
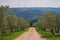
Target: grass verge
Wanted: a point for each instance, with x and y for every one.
(12, 36)
(46, 34)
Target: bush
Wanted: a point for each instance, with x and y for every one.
(46, 33)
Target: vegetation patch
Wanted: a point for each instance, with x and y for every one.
(12, 36)
(47, 34)
(10, 25)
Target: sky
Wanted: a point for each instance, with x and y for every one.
(31, 3)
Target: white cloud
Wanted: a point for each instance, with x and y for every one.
(31, 3)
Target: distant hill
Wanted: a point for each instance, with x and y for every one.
(33, 13)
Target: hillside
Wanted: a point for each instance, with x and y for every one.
(33, 13)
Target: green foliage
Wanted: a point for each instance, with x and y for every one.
(12, 36)
(10, 23)
(46, 34)
(48, 25)
(50, 21)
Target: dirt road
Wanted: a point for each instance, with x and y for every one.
(30, 35)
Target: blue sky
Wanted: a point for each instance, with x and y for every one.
(31, 3)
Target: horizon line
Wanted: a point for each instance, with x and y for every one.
(30, 6)
(33, 6)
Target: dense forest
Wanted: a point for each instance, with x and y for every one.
(9, 22)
